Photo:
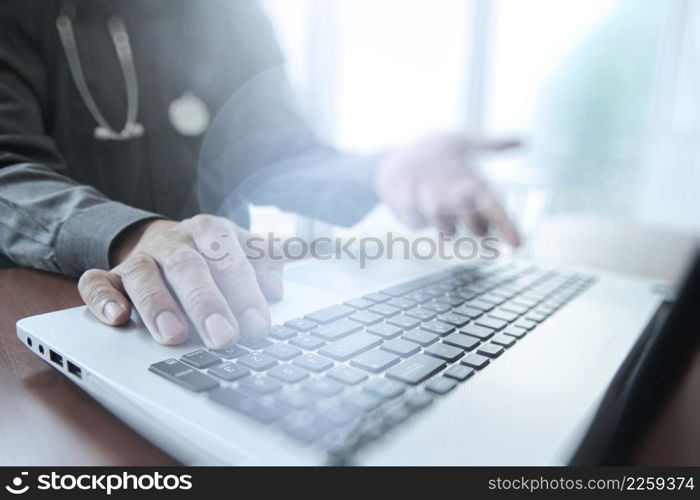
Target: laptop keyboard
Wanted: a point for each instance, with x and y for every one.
(343, 376)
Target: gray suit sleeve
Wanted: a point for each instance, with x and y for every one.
(47, 220)
(261, 150)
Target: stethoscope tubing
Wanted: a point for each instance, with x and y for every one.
(120, 39)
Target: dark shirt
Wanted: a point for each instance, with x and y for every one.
(66, 195)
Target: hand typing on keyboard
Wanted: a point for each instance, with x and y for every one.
(431, 183)
(196, 269)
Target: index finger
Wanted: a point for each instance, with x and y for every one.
(491, 209)
(235, 277)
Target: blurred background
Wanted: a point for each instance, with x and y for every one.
(605, 94)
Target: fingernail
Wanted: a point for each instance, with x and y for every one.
(274, 280)
(112, 310)
(168, 325)
(253, 323)
(218, 332)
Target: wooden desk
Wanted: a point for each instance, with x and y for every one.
(46, 420)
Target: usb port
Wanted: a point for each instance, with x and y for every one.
(74, 369)
(55, 357)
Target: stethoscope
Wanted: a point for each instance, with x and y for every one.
(188, 114)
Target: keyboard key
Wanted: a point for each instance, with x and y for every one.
(333, 411)
(384, 388)
(459, 372)
(288, 373)
(515, 331)
(385, 330)
(469, 312)
(545, 309)
(434, 291)
(462, 341)
(416, 369)
(375, 361)
(490, 350)
(201, 359)
(438, 307)
(410, 286)
(366, 317)
(229, 371)
(404, 322)
(400, 347)
(503, 315)
(344, 349)
(504, 340)
(359, 303)
(452, 299)
(282, 351)
(230, 352)
(305, 426)
(313, 363)
(419, 297)
(324, 387)
(377, 297)
(255, 343)
(419, 400)
(300, 325)
(420, 337)
(401, 303)
(296, 398)
(421, 314)
(347, 375)
(524, 301)
(488, 322)
(337, 330)
(363, 401)
(475, 361)
(183, 375)
(525, 323)
(265, 412)
(477, 331)
(515, 308)
(261, 384)
(397, 415)
(282, 332)
(441, 385)
(330, 314)
(257, 361)
(479, 304)
(444, 351)
(493, 299)
(307, 342)
(454, 319)
(385, 310)
(536, 316)
(437, 327)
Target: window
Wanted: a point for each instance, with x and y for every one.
(585, 82)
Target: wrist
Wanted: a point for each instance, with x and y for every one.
(128, 239)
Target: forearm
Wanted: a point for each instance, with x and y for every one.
(53, 223)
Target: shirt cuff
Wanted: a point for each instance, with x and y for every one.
(85, 238)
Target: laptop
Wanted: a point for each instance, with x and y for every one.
(407, 363)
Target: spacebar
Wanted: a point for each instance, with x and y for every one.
(410, 286)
